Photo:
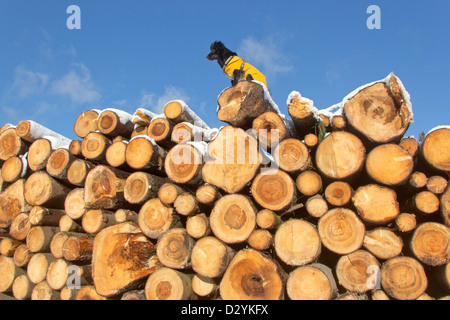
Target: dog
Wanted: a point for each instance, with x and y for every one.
(234, 67)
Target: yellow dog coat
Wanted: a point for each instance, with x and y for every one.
(235, 62)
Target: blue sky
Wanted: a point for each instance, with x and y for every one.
(131, 54)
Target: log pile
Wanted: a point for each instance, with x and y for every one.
(316, 204)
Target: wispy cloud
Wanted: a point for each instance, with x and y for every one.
(26, 82)
(156, 103)
(265, 53)
(77, 85)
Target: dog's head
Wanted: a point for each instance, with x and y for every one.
(216, 49)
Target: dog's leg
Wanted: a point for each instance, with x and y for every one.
(237, 75)
(249, 77)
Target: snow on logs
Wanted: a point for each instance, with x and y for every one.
(319, 204)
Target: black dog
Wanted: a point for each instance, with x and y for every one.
(235, 68)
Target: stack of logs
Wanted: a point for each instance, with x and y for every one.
(314, 205)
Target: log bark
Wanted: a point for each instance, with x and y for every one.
(235, 159)
(42, 190)
(13, 202)
(297, 242)
(340, 156)
(292, 155)
(358, 271)
(104, 188)
(141, 186)
(339, 193)
(160, 130)
(403, 278)
(434, 150)
(142, 153)
(122, 259)
(210, 257)
(169, 284)
(379, 112)
(241, 104)
(430, 244)
(311, 282)
(86, 122)
(11, 144)
(383, 243)
(184, 162)
(233, 218)
(174, 249)
(155, 218)
(114, 122)
(376, 204)
(341, 231)
(253, 276)
(389, 164)
(94, 146)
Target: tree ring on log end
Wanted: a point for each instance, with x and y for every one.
(233, 218)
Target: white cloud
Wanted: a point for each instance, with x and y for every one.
(156, 104)
(266, 54)
(76, 84)
(26, 82)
